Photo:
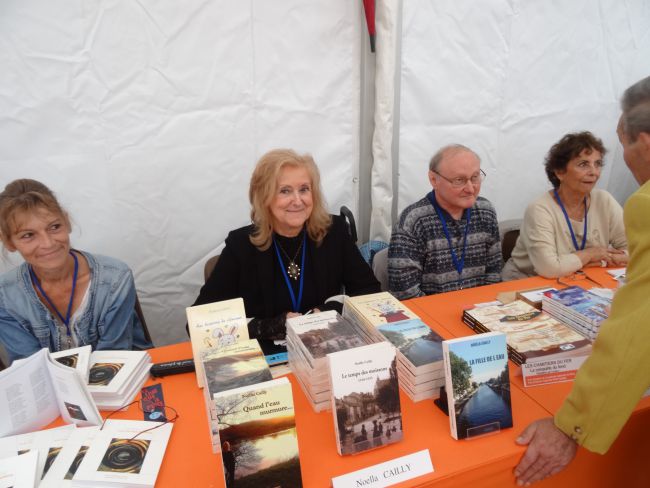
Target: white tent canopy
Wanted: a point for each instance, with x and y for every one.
(147, 117)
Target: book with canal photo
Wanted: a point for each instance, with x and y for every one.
(365, 398)
(259, 443)
(477, 384)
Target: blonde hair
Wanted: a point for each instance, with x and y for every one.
(263, 188)
(26, 195)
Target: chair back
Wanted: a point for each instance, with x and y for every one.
(209, 267)
(509, 232)
(346, 213)
(138, 312)
(380, 268)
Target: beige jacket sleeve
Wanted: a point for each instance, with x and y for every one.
(613, 379)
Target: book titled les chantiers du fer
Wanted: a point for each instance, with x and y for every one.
(477, 384)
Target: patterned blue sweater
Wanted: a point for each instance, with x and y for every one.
(419, 259)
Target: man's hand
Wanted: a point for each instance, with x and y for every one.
(549, 451)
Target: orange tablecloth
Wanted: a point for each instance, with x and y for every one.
(484, 462)
(625, 464)
(189, 461)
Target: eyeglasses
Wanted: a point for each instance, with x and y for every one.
(460, 182)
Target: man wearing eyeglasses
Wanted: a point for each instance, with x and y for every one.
(612, 380)
(448, 240)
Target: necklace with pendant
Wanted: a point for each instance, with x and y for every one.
(293, 270)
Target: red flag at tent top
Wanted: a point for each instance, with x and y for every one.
(369, 7)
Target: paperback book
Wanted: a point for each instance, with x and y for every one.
(19, 471)
(69, 458)
(116, 377)
(259, 443)
(77, 358)
(125, 453)
(36, 390)
(477, 384)
(215, 325)
(531, 334)
(233, 366)
(310, 338)
(365, 398)
(47, 443)
(419, 355)
(578, 308)
(370, 311)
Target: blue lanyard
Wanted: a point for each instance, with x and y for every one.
(296, 304)
(568, 223)
(458, 264)
(66, 319)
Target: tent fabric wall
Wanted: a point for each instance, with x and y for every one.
(146, 118)
(384, 148)
(509, 79)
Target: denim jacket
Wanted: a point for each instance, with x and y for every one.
(108, 322)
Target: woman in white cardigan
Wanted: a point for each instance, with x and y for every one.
(573, 225)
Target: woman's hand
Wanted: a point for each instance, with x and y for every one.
(601, 257)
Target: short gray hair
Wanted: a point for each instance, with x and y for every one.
(636, 109)
(448, 150)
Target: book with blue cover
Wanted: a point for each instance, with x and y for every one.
(419, 346)
(477, 384)
(588, 306)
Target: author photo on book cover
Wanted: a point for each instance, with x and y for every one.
(293, 256)
(615, 376)
(59, 297)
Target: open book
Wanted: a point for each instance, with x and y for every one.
(36, 390)
(77, 358)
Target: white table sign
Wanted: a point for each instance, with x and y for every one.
(388, 473)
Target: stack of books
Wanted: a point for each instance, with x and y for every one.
(309, 339)
(116, 377)
(578, 308)
(419, 352)
(234, 366)
(368, 312)
(419, 358)
(530, 333)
